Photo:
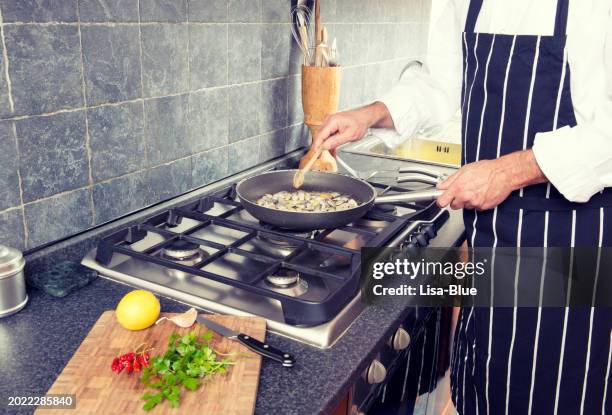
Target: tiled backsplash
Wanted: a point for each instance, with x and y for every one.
(107, 106)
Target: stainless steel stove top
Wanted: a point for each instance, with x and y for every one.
(212, 254)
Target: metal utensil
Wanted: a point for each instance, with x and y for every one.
(333, 54)
(399, 175)
(301, 17)
(13, 295)
(255, 345)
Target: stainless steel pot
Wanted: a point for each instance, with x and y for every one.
(13, 295)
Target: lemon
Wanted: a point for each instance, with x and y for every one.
(137, 310)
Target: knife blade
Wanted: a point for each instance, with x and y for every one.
(255, 345)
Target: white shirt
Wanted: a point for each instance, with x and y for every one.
(578, 160)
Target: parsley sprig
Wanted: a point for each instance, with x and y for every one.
(187, 362)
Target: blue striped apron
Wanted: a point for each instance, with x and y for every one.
(527, 360)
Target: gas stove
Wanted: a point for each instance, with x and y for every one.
(210, 253)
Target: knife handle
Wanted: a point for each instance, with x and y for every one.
(266, 350)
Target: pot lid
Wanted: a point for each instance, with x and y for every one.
(11, 261)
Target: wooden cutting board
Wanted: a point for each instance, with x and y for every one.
(99, 390)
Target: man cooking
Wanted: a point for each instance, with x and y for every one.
(533, 80)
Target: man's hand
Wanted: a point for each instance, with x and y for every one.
(352, 125)
(485, 184)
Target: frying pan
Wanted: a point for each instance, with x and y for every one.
(252, 188)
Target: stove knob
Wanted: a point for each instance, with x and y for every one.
(400, 340)
(375, 373)
(410, 243)
(421, 239)
(430, 230)
(423, 231)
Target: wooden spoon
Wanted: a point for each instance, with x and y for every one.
(298, 179)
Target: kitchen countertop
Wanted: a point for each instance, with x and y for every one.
(37, 342)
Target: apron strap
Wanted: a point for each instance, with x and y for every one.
(561, 17)
(472, 16)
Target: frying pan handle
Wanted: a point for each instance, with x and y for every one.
(410, 197)
(418, 178)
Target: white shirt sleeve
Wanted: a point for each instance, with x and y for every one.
(430, 97)
(578, 160)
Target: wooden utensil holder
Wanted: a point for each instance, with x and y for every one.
(320, 98)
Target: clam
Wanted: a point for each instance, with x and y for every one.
(304, 201)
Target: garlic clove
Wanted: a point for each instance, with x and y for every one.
(185, 319)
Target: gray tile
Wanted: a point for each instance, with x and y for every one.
(244, 11)
(329, 10)
(296, 58)
(244, 53)
(375, 11)
(275, 49)
(352, 10)
(208, 11)
(243, 155)
(39, 10)
(208, 55)
(244, 107)
(119, 197)
(425, 10)
(52, 154)
(9, 179)
(273, 144)
(409, 40)
(164, 54)
(362, 36)
(298, 136)
(209, 166)
(45, 68)
(166, 129)
(381, 36)
(413, 10)
(108, 10)
(276, 11)
(343, 33)
(294, 100)
(168, 180)
(116, 136)
(163, 10)
(5, 107)
(352, 88)
(373, 85)
(273, 105)
(208, 119)
(423, 30)
(54, 218)
(112, 63)
(11, 229)
(393, 10)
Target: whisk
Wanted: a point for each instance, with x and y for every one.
(301, 16)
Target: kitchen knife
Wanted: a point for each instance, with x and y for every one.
(255, 345)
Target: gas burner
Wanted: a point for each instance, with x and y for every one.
(371, 223)
(184, 253)
(181, 250)
(283, 278)
(288, 282)
(387, 208)
(287, 243)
